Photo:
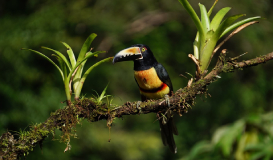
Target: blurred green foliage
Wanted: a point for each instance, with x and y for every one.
(247, 138)
(30, 87)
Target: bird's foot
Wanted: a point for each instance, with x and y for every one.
(168, 113)
(138, 106)
(164, 119)
(167, 100)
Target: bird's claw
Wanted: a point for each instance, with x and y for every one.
(138, 106)
(167, 100)
(168, 113)
(164, 119)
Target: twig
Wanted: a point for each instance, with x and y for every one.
(197, 63)
(190, 82)
(237, 30)
(87, 109)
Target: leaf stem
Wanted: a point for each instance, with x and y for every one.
(80, 85)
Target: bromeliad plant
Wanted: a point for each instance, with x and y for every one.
(210, 31)
(71, 72)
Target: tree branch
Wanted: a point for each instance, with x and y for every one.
(66, 119)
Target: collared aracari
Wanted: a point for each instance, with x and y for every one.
(153, 82)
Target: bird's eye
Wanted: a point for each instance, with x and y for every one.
(143, 50)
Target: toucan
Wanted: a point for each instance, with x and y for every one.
(153, 82)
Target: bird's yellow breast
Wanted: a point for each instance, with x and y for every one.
(148, 79)
(150, 85)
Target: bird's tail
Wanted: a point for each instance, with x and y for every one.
(168, 129)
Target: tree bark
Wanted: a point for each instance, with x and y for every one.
(66, 119)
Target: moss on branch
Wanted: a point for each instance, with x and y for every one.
(66, 119)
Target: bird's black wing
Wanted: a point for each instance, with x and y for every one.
(163, 75)
(168, 128)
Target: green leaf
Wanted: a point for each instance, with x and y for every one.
(103, 93)
(61, 55)
(219, 133)
(210, 10)
(83, 63)
(88, 56)
(77, 77)
(200, 148)
(248, 138)
(62, 64)
(194, 17)
(86, 46)
(79, 87)
(64, 69)
(267, 157)
(204, 18)
(227, 22)
(41, 54)
(80, 62)
(226, 136)
(260, 150)
(237, 24)
(70, 54)
(95, 65)
(257, 155)
(196, 45)
(209, 35)
(254, 147)
(218, 18)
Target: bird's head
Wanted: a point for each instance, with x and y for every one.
(139, 53)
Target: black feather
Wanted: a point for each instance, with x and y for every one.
(148, 61)
(163, 76)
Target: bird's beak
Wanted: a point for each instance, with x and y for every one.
(128, 54)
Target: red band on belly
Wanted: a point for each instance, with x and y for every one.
(162, 87)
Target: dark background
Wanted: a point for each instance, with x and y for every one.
(31, 88)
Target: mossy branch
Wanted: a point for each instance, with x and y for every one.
(66, 119)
